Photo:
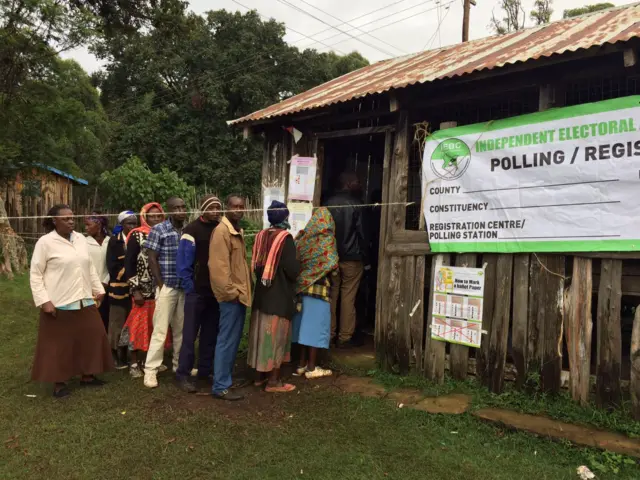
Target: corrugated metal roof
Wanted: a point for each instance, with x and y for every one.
(607, 26)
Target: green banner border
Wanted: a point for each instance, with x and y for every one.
(523, 246)
(538, 117)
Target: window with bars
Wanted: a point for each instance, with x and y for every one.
(601, 88)
(463, 113)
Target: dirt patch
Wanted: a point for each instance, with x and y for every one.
(454, 404)
(362, 386)
(547, 427)
(406, 396)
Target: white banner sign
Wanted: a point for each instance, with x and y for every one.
(561, 180)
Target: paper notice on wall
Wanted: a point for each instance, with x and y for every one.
(270, 194)
(457, 305)
(302, 178)
(299, 216)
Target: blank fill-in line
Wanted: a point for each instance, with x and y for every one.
(544, 186)
(567, 236)
(556, 205)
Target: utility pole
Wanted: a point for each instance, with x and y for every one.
(465, 19)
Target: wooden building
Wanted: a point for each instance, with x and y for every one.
(374, 120)
(33, 193)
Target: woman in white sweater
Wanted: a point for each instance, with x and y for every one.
(65, 286)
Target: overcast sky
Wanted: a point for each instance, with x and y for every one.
(404, 26)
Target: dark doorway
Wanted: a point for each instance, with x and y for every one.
(364, 155)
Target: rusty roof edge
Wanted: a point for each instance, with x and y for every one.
(374, 67)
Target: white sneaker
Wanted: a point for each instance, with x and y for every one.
(150, 380)
(135, 371)
(300, 371)
(318, 373)
(162, 368)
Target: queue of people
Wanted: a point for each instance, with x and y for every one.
(168, 283)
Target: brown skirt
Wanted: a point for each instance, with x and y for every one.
(71, 343)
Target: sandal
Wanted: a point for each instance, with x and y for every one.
(318, 373)
(284, 388)
(260, 383)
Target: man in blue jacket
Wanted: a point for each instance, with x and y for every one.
(201, 311)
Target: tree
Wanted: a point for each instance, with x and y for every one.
(170, 93)
(576, 12)
(513, 20)
(132, 185)
(541, 12)
(44, 102)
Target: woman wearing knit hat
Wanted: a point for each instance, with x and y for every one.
(276, 268)
(118, 291)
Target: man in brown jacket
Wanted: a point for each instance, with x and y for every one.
(231, 285)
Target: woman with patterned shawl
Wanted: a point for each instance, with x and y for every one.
(276, 268)
(137, 330)
(318, 256)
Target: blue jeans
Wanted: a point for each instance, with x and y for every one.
(232, 316)
(201, 313)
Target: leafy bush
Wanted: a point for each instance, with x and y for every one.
(132, 185)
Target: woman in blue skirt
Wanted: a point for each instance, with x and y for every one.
(318, 257)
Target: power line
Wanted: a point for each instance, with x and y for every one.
(222, 77)
(241, 65)
(354, 26)
(289, 28)
(357, 18)
(387, 17)
(295, 7)
(433, 37)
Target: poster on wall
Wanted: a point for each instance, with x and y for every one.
(302, 178)
(458, 294)
(299, 215)
(562, 180)
(270, 194)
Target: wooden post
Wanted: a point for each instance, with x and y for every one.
(634, 385)
(609, 334)
(383, 260)
(459, 354)
(520, 316)
(483, 371)
(547, 290)
(416, 313)
(466, 14)
(396, 343)
(578, 326)
(434, 350)
(499, 333)
(408, 271)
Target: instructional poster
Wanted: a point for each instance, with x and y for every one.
(299, 216)
(270, 194)
(302, 178)
(458, 294)
(562, 180)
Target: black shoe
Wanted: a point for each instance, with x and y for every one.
(228, 396)
(94, 382)
(62, 393)
(186, 385)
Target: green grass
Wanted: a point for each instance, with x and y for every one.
(125, 431)
(560, 407)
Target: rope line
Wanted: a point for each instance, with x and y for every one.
(198, 212)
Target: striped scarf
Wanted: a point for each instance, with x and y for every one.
(267, 250)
